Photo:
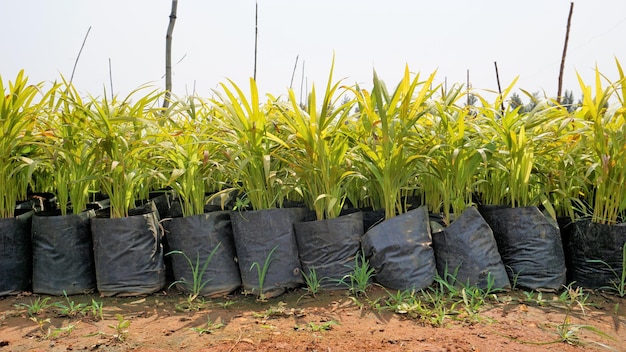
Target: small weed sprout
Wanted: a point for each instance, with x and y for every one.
(513, 276)
(323, 326)
(569, 333)
(618, 284)
(36, 307)
(529, 297)
(71, 309)
(397, 298)
(53, 333)
(448, 281)
(121, 328)
(444, 299)
(279, 310)
(262, 273)
(571, 296)
(474, 298)
(313, 283)
(361, 277)
(209, 328)
(225, 304)
(197, 273)
(40, 323)
(413, 307)
(375, 304)
(436, 309)
(241, 204)
(96, 309)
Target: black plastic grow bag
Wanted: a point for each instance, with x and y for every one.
(15, 254)
(400, 251)
(63, 253)
(372, 218)
(128, 254)
(530, 245)
(206, 239)
(258, 233)
(468, 247)
(329, 247)
(596, 254)
(162, 201)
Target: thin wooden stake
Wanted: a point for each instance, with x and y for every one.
(468, 88)
(302, 82)
(168, 55)
(294, 72)
(256, 35)
(499, 88)
(111, 77)
(79, 52)
(569, 22)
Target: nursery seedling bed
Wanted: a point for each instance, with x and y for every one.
(330, 321)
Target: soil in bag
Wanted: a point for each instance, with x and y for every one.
(399, 249)
(128, 253)
(328, 247)
(15, 254)
(209, 250)
(466, 252)
(597, 254)
(265, 239)
(63, 253)
(530, 245)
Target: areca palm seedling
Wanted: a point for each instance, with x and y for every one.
(385, 139)
(18, 118)
(185, 154)
(120, 129)
(251, 147)
(454, 156)
(607, 141)
(318, 149)
(67, 151)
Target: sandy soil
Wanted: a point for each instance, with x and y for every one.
(331, 321)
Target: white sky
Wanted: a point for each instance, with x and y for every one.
(215, 40)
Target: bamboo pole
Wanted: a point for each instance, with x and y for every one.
(569, 22)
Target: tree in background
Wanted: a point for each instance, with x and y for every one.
(567, 101)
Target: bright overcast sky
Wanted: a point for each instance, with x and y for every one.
(214, 41)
